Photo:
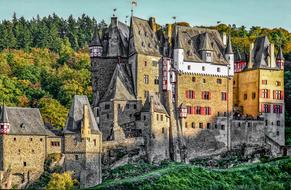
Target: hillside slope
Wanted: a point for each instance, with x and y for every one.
(271, 175)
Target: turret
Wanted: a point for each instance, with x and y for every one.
(280, 59)
(95, 46)
(4, 122)
(229, 56)
(206, 49)
(183, 111)
(178, 52)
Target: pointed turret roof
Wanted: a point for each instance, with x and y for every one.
(120, 87)
(237, 56)
(75, 117)
(228, 49)
(280, 54)
(205, 44)
(95, 40)
(3, 115)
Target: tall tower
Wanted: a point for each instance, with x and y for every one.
(95, 46)
(229, 56)
(280, 59)
(4, 123)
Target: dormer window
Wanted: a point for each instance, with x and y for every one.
(139, 32)
(189, 42)
(203, 68)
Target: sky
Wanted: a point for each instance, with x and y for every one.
(264, 13)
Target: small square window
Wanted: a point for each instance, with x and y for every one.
(219, 81)
(218, 69)
(76, 157)
(203, 68)
(204, 80)
(253, 95)
(245, 96)
(189, 67)
(24, 163)
(200, 125)
(193, 79)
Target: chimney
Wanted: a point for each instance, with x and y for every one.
(114, 21)
(153, 24)
(251, 56)
(86, 124)
(224, 38)
(272, 56)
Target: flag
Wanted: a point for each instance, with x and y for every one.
(134, 3)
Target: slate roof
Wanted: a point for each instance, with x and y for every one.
(120, 87)
(260, 52)
(145, 39)
(96, 39)
(75, 117)
(3, 115)
(228, 49)
(158, 106)
(280, 54)
(24, 121)
(115, 40)
(194, 39)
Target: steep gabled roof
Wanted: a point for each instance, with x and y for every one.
(3, 115)
(120, 87)
(144, 39)
(194, 39)
(115, 40)
(24, 121)
(260, 52)
(157, 105)
(75, 117)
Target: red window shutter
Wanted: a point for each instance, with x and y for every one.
(261, 93)
(202, 111)
(193, 95)
(209, 95)
(262, 108)
(194, 109)
(226, 95)
(186, 92)
(202, 95)
(209, 110)
(268, 93)
(262, 81)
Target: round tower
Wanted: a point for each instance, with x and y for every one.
(96, 48)
(4, 123)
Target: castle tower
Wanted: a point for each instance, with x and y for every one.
(95, 47)
(280, 59)
(83, 144)
(4, 123)
(206, 48)
(229, 56)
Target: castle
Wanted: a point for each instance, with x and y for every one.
(170, 92)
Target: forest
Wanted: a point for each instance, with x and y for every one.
(45, 61)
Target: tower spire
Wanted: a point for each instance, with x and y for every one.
(228, 49)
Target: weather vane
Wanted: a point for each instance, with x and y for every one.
(114, 11)
(133, 4)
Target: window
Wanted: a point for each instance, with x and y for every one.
(127, 106)
(222, 127)
(189, 67)
(208, 125)
(278, 123)
(76, 157)
(266, 108)
(218, 69)
(14, 139)
(95, 142)
(193, 79)
(206, 95)
(40, 139)
(32, 151)
(200, 125)
(223, 96)
(219, 81)
(146, 79)
(265, 93)
(162, 117)
(190, 94)
(146, 94)
(265, 82)
(107, 116)
(190, 110)
(107, 106)
(215, 126)
(157, 80)
(163, 130)
(204, 80)
(157, 117)
(277, 94)
(55, 143)
(277, 108)
(203, 68)
(119, 106)
(245, 96)
(145, 63)
(134, 106)
(193, 125)
(266, 123)
(186, 125)
(249, 124)
(207, 111)
(253, 95)
(144, 117)
(30, 139)
(24, 163)
(198, 110)
(278, 83)
(278, 133)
